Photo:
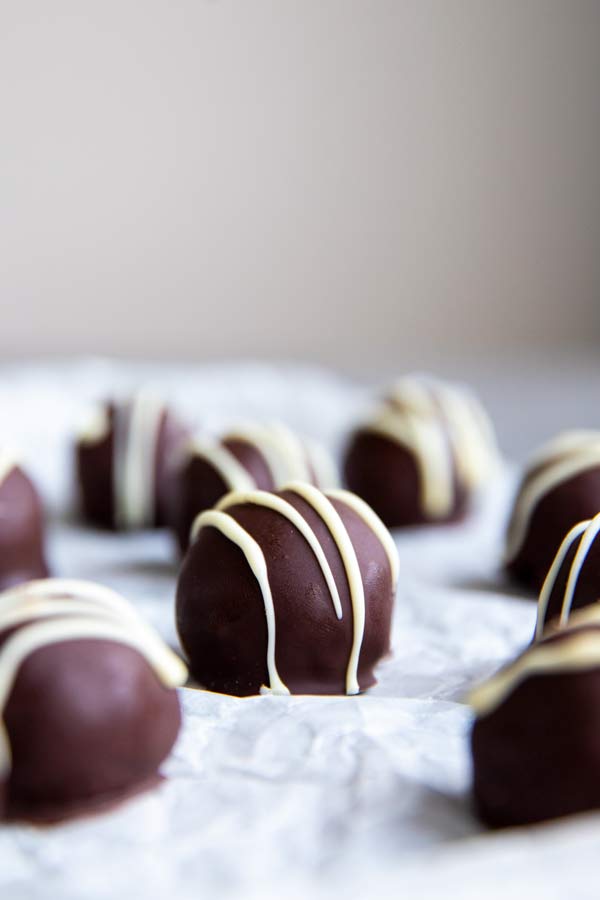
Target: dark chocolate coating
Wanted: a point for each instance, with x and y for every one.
(587, 586)
(557, 512)
(221, 614)
(386, 475)
(94, 464)
(21, 531)
(537, 755)
(200, 486)
(89, 723)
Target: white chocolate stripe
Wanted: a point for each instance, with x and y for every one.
(233, 473)
(95, 427)
(40, 609)
(567, 443)
(470, 431)
(322, 465)
(550, 580)
(581, 650)
(167, 666)
(33, 608)
(61, 588)
(325, 509)
(7, 464)
(281, 506)
(281, 448)
(136, 443)
(431, 448)
(541, 484)
(232, 530)
(586, 615)
(584, 548)
(370, 518)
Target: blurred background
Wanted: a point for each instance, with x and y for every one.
(368, 185)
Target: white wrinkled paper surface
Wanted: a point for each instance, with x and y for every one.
(293, 796)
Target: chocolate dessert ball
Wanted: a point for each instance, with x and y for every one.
(253, 456)
(87, 700)
(21, 526)
(560, 488)
(536, 738)
(573, 580)
(125, 460)
(423, 453)
(287, 592)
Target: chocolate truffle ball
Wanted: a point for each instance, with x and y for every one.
(536, 737)
(87, 700)
(573, 580)
(288, 592)
(560, 488)
(21, 526)
(423, 454)
(125, 460)
(254, 456)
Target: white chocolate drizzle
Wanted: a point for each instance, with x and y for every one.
(444, 427)
(561, 459)
(322, 505)
(428, 443)
(95, 426)
(322, 465)
(586, 532)
(232, 530)
(287, 457)
(232, 472)
(370, 517)
(52, 611)
(578, 650)
(7, 464)
(135, 448)
(285, 509)
(327, 511)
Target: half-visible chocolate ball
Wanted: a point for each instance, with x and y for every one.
(21, 527)
(560, 488)
(422, 455)
(90, 711)
(287, 592)
(126, 460)
(257, 456)
(536, 739)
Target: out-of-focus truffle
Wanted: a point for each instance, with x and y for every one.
(423, 454)
(21, 526)
(535, 746)
(560, 488)
(88, 709)
(125, 459)
(251, 456)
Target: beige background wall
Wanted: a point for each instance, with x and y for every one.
(329, 179)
